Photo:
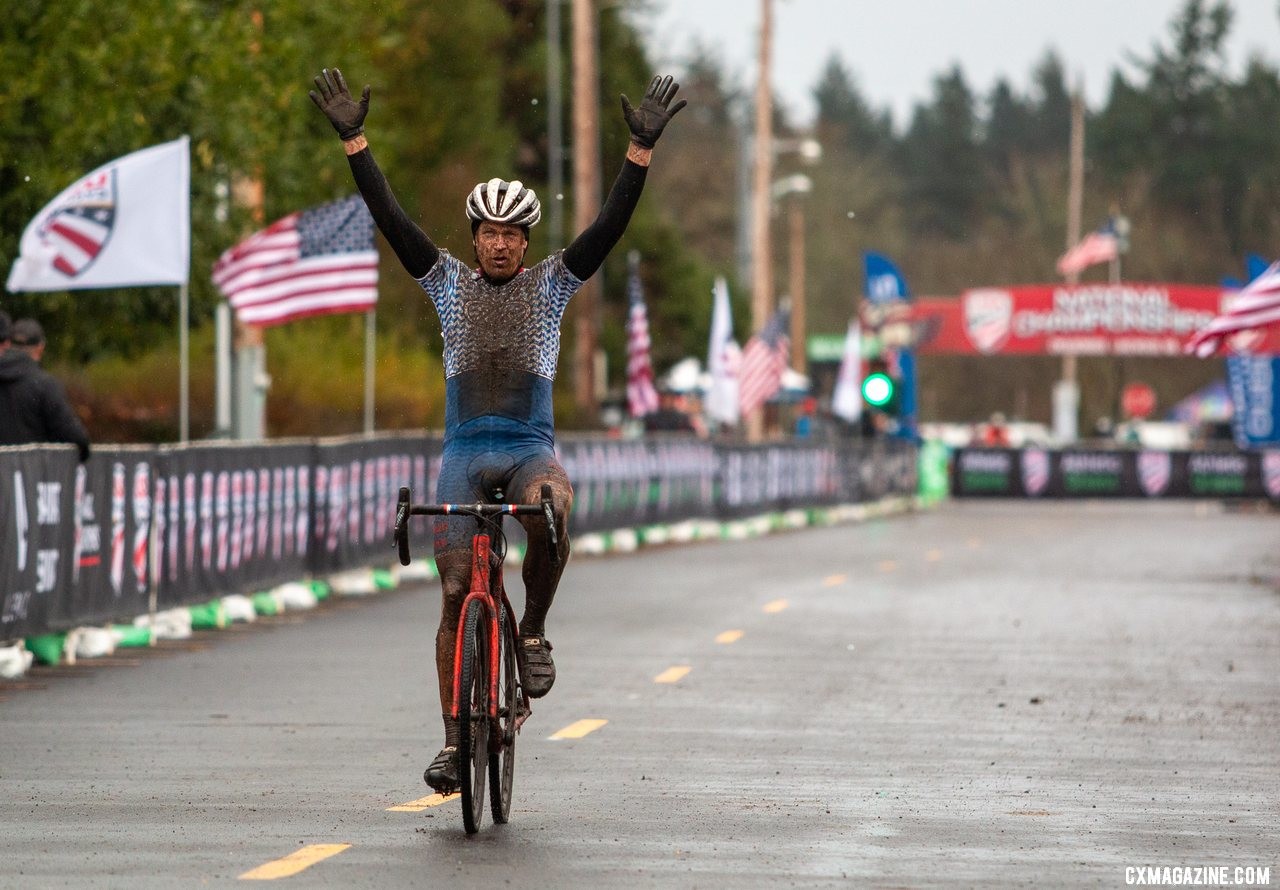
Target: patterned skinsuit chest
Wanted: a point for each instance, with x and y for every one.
(514, 326)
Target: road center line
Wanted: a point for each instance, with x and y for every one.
(834, 580)
(887, 565)
(729, 636)
(673, 674)
(933, 555)
(293, 863)
(422, 803)
(578, 730)
(774, 606)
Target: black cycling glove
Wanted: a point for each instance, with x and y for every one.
(647, 121)
(334, 99)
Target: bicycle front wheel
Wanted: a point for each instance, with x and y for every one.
(502, 757)
(473, 715)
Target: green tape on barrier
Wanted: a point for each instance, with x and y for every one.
(128, 636)
(320, 588)
(382, 580)
(47, 648)
(208, 616)
(265, 604)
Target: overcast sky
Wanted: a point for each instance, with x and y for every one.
(895, 48)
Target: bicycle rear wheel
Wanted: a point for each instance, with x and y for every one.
(502, 756)
(473, 715)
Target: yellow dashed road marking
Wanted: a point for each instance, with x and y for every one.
(673, 674)
(729, 636)
(973, 543)
(933, 555)
(775, 606)
(294, 862)
(578, 730)
(887, 565)
(834, 580)
(422, 803)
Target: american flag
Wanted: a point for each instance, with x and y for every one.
(1254, 307)
(642, 398)
(313, 262)
(1101, 246)
(764, 358)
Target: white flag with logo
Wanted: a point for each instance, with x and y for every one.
(126, 224)
(846, 401)
(723, 358)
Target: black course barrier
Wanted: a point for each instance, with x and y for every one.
(1115, 473)
(142, 527)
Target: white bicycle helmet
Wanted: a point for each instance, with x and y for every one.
(504, 202)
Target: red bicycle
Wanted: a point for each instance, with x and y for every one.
(488, 701)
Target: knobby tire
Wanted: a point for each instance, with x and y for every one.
(473, 719)
(502, 756)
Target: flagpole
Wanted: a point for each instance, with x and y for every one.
(184, 361)
(370, 344)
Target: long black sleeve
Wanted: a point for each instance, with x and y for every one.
(587, 252)
(416, 252)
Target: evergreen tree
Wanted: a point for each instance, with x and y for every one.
(844, 116)
(942, 161)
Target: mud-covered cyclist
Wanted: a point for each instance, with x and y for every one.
(501, 326)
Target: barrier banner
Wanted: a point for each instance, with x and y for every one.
(37, 530)
(1034, 473)
(229, 518)
(356, 482)
(111, 517)
(781, 477)
(140, 527)
(618, 484)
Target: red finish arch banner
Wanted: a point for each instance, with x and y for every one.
(1127, 319)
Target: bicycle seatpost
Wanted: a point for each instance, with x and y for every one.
(549, 513)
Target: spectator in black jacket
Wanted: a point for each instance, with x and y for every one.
(33, 405)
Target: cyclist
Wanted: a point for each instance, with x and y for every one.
(501, 325)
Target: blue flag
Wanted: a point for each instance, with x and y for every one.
(883, 282)
(1255, 393)
(1254, 266)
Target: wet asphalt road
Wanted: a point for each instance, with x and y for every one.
(986, 694)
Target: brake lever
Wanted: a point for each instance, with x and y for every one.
(549, 513)
(401, 535)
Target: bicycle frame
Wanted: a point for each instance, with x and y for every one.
(489, 589)
(485, 587)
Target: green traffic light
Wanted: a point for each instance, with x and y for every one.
(877, 389)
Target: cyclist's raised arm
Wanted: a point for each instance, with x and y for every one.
(416, 252)
(584, 256)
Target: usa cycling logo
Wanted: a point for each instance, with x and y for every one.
(1155, 468)
(1271, 473)
(988, 318)
(1035, 471)
(76, 232)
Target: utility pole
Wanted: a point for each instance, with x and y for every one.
(1066, 393)
(795, 268)
(555, 128)
(586, 196)
(761, 255)
(250, 377)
